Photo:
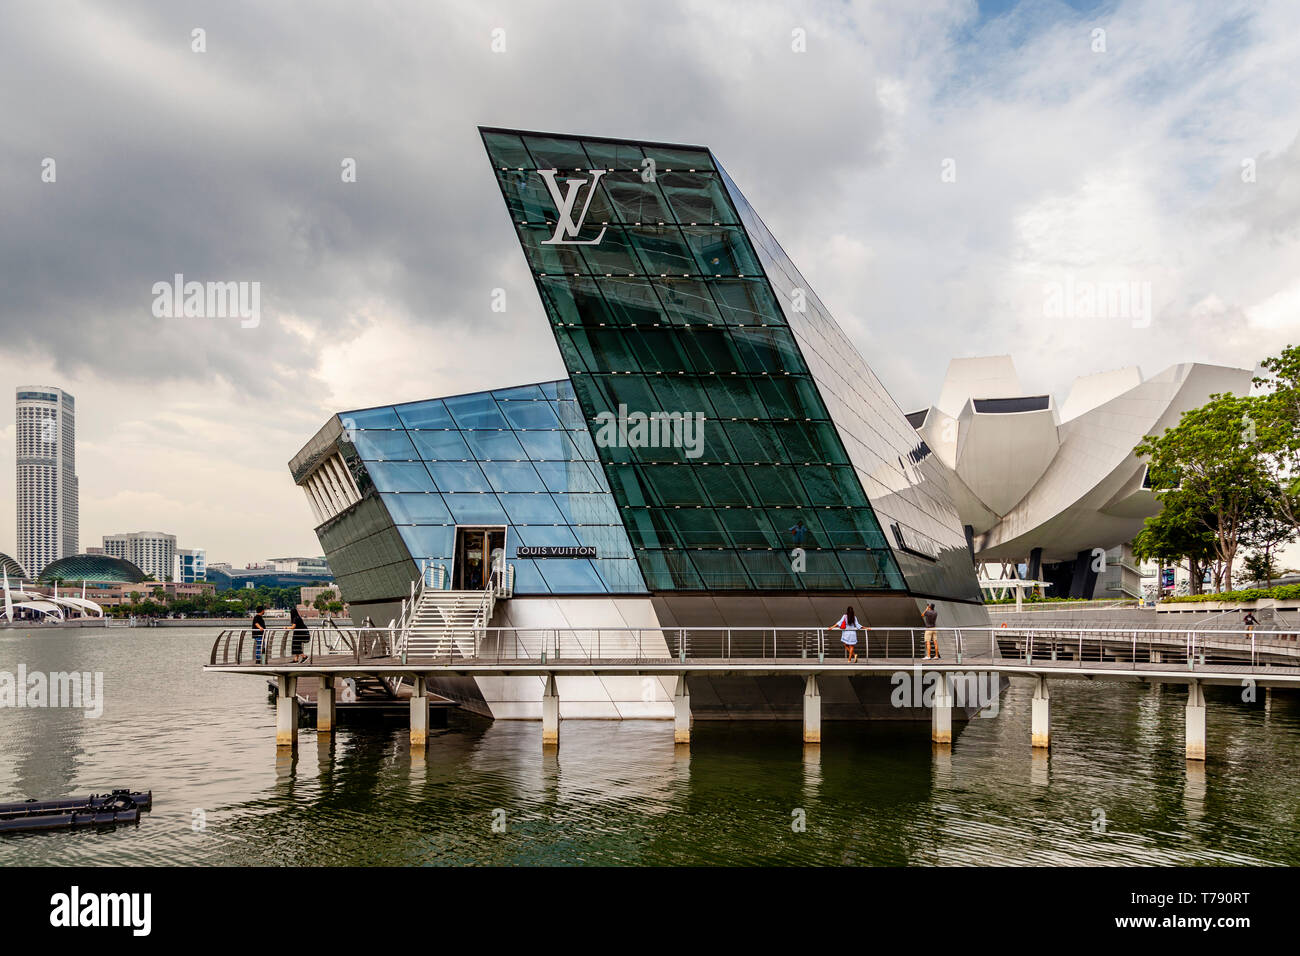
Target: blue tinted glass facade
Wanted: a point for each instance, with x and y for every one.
(660, 306)
(520, 458)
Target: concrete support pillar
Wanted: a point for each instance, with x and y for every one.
(941, 719)
(1040, 716)
(1268, 700)
(325, 705)
(419, 714)
(550, 713)
(812, 711)
(1195, 721)
(682, 712)
(286, 711)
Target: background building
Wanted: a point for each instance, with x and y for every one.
(47, 493)
(154, 552)
(191, 565)
(1058, 488)
(93, 569)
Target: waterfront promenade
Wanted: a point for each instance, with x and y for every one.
(1257, 662)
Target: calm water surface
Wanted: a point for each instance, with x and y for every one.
(618, 793)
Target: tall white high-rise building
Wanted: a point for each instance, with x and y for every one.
(153, 552)
(48, 500)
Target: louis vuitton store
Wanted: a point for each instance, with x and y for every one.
(795, 484)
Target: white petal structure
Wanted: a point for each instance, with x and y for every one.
(1037, 482)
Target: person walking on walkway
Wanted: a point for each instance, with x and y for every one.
(259, 633)
(1249, 622)
(848, 625)
(300, 635)
(931, 617)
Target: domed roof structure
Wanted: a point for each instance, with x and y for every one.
(11, 567)
(95, 568)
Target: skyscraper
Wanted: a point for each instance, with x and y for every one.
(47, 494)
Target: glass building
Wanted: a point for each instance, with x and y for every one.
(718, 433)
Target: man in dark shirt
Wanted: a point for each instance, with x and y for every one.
(931, 616)
(259, 631)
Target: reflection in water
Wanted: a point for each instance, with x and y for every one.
(622, 793)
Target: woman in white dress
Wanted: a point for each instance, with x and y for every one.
(848, 626)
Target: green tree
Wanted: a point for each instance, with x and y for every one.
(1177, 537)
(1277, 421)
(1208, 471)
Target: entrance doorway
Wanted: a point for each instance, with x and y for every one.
(478, 550)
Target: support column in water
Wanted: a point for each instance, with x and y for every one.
(941, 720)
(550, 713)
(812, 711)
(682, 712)
(325, 705)
(286, 711)
(1040, 719)
(1195, 721)
(419, 714)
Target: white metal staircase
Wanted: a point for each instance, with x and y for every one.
(440, 623)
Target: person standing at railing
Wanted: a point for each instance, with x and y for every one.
(300, 635)
(259, 632)
(848, 625)
(931, 617)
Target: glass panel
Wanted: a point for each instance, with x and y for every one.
(722, 250)
(633, 200)
(574, 300)
(435, 446)
(512, 476)
(384, 446)
(720, 570)
(400, 476)
(519, 393)
(547, 446)
(545, 536)
(429, 541)
(370, 418)
(565, 476)
(669, 570)
(530, 415)
(631, 301)
(458, 476)
(612, 256)
(725, 485)
(495, 446)
(688, 302)
(531, 509)
(668, 158)
(662, 250)
(554, 153)
(571, 576)
(417, 508)
(528, 580)
(698, 528)
(425, 415)
(614, 155)
(475, 509)
(696, 198)
(749, 528)
(587, 509)
(475, 411)
(674, 485)
(746, 302)
(507, 149)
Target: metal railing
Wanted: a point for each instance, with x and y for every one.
(1056, 647)
(358, 644)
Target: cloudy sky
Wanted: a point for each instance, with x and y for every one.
(933, 168)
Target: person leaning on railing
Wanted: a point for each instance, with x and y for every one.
(259, 632)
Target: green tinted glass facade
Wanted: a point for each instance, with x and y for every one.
(660, 307)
